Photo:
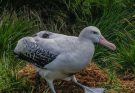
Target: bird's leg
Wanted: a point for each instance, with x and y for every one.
(51, 86)
(88, 89)
(37, 80)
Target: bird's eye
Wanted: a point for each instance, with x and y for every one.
(95, 32)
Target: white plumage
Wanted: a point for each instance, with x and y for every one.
(58, 56)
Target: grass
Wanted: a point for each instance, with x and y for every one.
(10, 82)
(124, 59)
(115, 19)
(11, 29)
(116, 27)
(8, 78)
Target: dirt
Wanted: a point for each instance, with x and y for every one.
(91, 76)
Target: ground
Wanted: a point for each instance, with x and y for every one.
(91, 76)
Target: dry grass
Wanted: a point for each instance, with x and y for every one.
(91, 76)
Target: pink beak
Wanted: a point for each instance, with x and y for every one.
(106, 43)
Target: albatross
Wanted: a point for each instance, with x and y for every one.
(58, 56)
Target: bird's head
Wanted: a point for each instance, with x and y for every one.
(93, 33)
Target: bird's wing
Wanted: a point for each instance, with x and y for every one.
(38, 53)
(41, 51)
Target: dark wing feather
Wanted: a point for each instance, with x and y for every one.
(37, 55)
(43, 34)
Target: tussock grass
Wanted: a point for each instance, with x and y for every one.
(13, 28)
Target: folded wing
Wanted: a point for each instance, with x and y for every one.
(30, 50)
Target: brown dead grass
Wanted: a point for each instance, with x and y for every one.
(91, 76)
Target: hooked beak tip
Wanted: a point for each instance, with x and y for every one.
(113, 47)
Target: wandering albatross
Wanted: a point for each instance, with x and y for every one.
(58, 56)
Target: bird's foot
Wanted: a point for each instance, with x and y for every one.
(93, 90)
(88, 89)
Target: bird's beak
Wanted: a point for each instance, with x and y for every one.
(106, 43)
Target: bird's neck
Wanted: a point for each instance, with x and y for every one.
(86, 51)
(87, 45)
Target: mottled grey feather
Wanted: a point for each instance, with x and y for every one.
(36, 54)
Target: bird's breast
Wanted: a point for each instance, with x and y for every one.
(78, 59)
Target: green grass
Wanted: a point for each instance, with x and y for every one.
(8, 79)
(10, 82)
(123, 59)
(13, 28)
(117, 27)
